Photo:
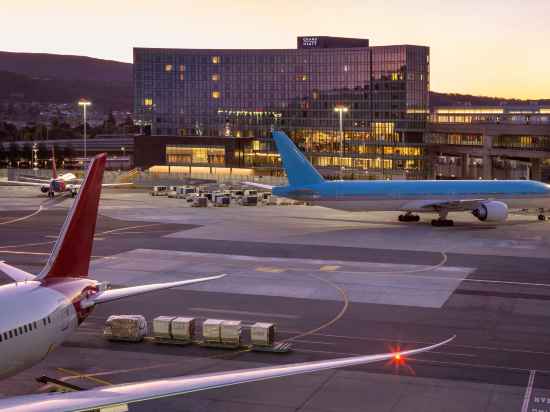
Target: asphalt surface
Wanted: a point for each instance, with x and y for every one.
(499, 313)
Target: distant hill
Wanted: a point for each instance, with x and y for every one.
(65, 67)
(455, 99)
(15, 87)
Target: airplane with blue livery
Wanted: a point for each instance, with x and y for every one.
(488, 200)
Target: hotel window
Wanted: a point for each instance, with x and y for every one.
(167, 67)
(148, 102)
(216, 59)
(215, 77)
(216, 94)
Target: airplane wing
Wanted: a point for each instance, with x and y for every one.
(32, 179)
(77, 186)
(115, 294)
(259, 185)
(116, 395)
(116, 184)
(21, 183)
(17, 275)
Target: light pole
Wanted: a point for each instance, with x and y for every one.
(84, 103)
(123, 149)
(341, 110)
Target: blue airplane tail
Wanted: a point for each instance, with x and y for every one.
(298, 169)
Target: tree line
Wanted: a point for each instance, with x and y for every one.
(60, 129)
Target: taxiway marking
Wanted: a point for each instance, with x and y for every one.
(377, 339)
(528, 391)
(329, 268)
(19, 219)
(269, 269)
(77, 375)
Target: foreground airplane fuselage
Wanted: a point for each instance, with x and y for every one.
(414, 196)
(43, 315)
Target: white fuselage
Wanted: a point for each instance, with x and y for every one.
(34, 319)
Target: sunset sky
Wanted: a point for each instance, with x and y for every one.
(485, 47)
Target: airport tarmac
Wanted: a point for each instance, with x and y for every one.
(335, 283)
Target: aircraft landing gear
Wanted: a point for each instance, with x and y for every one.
(409, 217)
(51, 194)
(542, 216)
(442, 221)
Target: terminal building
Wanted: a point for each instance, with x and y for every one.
(503, 142)
(218, 107)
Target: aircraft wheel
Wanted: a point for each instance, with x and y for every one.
(409, 218)
(442, 222)
(542, 217)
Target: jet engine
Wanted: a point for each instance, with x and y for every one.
(44, 189)
(491, 212)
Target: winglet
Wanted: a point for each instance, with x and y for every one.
(17, 275)
(298, 169)
(71, 254)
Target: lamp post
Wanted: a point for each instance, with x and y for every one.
(341, 110)
(84, 103)
(34, 157)
(123, 149)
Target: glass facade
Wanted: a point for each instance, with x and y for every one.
(246, 93)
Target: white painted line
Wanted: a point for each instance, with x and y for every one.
(394, 339)
(19, 219)
(242, 312)
(528, 391)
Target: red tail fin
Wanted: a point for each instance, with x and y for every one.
(54, 168)
(71, 254)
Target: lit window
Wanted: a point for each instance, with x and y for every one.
(216, 94)
(395, 76)
(216, 59)
(302, 77)
(182, 76)
(148, 102)
(215, 77)
(167, 67)
(346, 68)
(182, 67)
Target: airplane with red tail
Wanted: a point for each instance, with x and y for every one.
(65, 183)
(39, 312)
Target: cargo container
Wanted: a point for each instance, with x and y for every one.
(130, 328)
(262, 334)
(200, 201)
(211, 330)
(230, 332)
(162, 327)
(221, 199)
(159, 191)
(183, 328)
(248, 200)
